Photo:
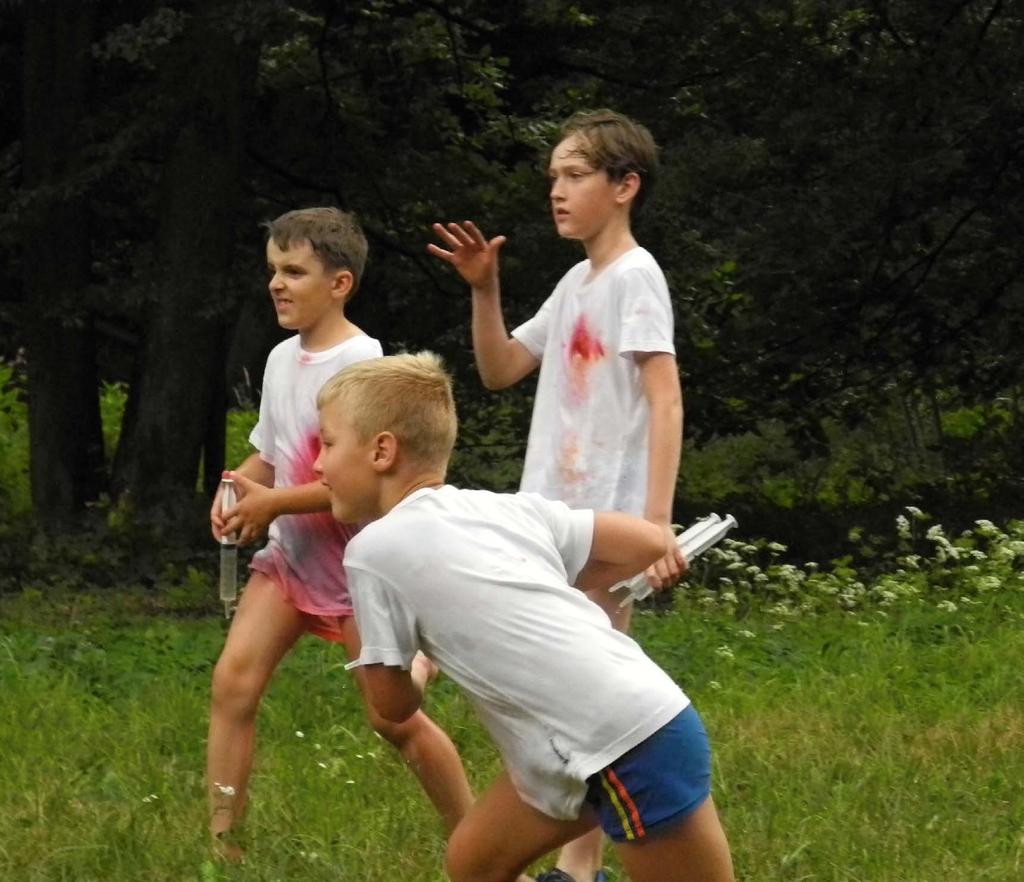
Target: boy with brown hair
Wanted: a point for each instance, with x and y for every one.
(590, 730)
(315, 257)
(606, 431)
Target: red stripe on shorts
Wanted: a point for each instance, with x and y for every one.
(627, 800)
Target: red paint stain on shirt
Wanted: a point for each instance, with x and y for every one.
(583, 345)
(585, 350)
(302, 467)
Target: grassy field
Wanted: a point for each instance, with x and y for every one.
(868, 747)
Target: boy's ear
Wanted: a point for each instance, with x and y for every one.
(385, 451)
(627, 188)
(342, 284)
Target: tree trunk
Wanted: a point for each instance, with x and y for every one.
(66, 456)
(177, 402)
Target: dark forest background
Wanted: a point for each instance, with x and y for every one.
(840, 216)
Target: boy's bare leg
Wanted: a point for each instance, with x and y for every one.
(502, 835)
(425, 746)
(264, 628)
(583, 857)
(695, 850)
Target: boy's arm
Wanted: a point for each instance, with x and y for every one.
(393, 692)
(623, 546)
(501, 360)
(659, 376)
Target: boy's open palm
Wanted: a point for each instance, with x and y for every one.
(473, 256)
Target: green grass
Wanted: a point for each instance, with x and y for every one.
(846, 747)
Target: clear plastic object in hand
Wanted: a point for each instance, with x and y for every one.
(692, 542)
(228, 552)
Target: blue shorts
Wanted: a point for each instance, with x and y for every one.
(661, 780)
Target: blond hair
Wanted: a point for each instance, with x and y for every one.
(334, 235)
(614, 143)
(408, 395)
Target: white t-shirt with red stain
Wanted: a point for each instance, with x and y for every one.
(588, 441)
(304, 552)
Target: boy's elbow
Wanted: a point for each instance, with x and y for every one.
(493, 381)
(655, 542)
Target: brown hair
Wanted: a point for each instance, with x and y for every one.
(408, 395)
(615, 144)
(334, 235)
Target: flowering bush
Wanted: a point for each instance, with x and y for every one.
(930, 568)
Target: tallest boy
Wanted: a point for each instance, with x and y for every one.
(607, 421)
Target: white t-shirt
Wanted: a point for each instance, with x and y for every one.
(588, 436)
(481, 583)
(303, 554)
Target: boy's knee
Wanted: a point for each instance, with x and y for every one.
(465, 861)
(398, 735)
(233, 685)
(456, 866)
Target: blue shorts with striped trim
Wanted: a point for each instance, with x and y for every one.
(661, 780)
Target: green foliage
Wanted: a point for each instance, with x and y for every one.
(240, 423)
(847, 745)
(913, 448)
(491, 444)
(15, 495)
(113, 398)
(981, 568)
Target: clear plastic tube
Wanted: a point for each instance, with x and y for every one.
(228, 552)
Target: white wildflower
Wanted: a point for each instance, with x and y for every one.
(902, 527)
(946, 606)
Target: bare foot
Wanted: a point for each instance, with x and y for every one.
(226, 847)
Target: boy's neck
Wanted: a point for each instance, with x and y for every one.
(614, 240)
(332, 329)
(404, 485)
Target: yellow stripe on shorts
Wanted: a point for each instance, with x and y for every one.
(619, 810)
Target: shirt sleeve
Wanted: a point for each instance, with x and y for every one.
(533, 333)
(645, 312)
(572, 530)
(387, 626)
(262, 435)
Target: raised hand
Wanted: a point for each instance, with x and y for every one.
(474, 257)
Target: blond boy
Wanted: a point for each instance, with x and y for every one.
(590, 730)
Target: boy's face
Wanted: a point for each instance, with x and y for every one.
(345, 467)
(304, 291)
(583, 199)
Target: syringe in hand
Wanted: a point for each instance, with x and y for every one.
(692, 542)
(228, 552)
